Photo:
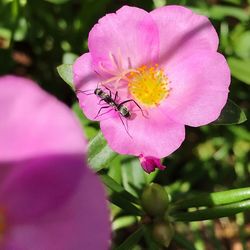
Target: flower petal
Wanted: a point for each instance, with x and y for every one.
(34, 123)
(81, 223)
(199, 88)
(85, 79)
(46, 189)
(181, 31)
(157, 136)
(130, 35)
(35, 186)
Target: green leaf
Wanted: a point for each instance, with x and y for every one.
(240, 69)
(99, 153)
(242, 45)
(183, 242)
(132, 240)
(214, 199)
(150, 242)
(116, 187)
(66, 73)
(220, 12)
(115, 170)
(231, 114)
(69, 58)
(134, 178)
(236, 2)
(58, 1)
(213, 213)
(224, 35)
(120, 197)
(125, 205)
(123, 222)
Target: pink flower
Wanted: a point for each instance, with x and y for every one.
(49, 199)
(149, 164)
(167, 62)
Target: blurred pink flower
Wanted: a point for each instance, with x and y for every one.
(166, 61)
(49, 199)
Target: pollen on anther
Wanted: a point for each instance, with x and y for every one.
(148, 85)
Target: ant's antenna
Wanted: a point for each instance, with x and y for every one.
(85, 91)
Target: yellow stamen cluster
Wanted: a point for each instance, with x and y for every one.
(148, 85)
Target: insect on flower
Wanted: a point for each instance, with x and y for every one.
(166, 64)
(113, 103)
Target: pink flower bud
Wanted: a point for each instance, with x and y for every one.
(149, 163)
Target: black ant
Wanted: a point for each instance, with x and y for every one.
(112, 102)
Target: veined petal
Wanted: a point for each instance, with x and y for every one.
(181, 32)
(129, 36)
(199, 88)
(157, 136)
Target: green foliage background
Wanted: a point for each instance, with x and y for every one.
(37, 36)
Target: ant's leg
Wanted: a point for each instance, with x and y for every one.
(110, 93)
(99, 103)
(106, 112)
(131, 100)
(116, 95)
(98, 114)
(126, 123)
(125, 126)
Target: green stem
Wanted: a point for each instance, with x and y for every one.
(131, 240)
(120, 197)
(125, 205)
(15, 12)
(116, 187)
(213, 213)
(150, 242)
(182, 242)
(214, 199)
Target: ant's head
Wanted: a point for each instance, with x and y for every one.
(98, 91)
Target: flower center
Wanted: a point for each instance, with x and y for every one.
(148, 85)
